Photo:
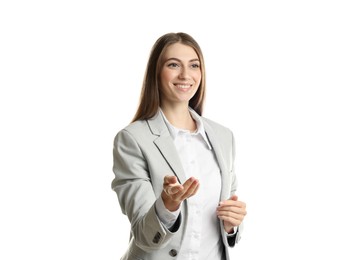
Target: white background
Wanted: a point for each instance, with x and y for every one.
(285, 76)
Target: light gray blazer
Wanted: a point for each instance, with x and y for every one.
(144, 153)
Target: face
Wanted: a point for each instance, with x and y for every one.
(180, 75)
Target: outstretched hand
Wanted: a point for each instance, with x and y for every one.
(232, 212)
(174, 193)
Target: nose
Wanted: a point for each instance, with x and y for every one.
(184, 73)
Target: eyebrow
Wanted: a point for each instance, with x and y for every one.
(193, 60)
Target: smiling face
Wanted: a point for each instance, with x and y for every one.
(180, 75)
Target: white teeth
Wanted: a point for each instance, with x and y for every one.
(183, 86)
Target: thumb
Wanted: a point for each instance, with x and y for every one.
(234, 198)
(170, 179)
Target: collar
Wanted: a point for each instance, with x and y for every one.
(199, 131)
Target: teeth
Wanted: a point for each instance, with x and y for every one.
(183, 86)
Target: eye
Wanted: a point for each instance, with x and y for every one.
(172, 65)
(195, 65)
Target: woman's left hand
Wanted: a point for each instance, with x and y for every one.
(232, 212)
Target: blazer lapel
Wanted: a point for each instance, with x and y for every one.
(166, 146)
(214, 141)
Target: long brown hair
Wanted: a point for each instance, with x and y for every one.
(150, 96)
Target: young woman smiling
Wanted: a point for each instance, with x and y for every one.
(174, 169)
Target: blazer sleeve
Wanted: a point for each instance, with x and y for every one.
(134, 190)
(232, 240)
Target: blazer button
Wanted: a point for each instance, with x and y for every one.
(156, 238)
(173, 252)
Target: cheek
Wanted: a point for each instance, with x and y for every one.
(166, 76)
(197, 76)
(163, 76)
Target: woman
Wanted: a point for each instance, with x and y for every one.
(174, 174)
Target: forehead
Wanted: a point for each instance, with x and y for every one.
(180, 51)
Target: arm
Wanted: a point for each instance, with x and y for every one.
(232, 211)
(134, 189)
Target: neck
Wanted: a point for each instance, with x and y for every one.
(180, 117)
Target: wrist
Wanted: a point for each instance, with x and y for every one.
(170, 204)
(229, 229)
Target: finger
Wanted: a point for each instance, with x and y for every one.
(195, 190)
(231, 218)
(229, 215)
(232, 213)
(192, 190)
(228, 211)
(189, 187)
(230, 221)
(169, 182)
(189, 182)
(236, 210)
(173, 189)
(170, 179)
(230, 200)
(237, 207)
(232, 203)
(234, 198)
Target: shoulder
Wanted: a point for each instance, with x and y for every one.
(134, 130)
(136, 126)
(146, 128)
(215, 126)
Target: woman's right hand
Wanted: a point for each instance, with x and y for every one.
(174, 193)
